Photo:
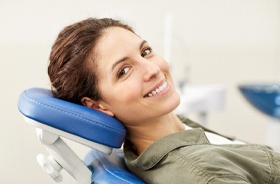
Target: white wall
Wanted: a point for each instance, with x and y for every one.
(221, 42)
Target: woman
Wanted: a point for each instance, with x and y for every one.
(104, 65)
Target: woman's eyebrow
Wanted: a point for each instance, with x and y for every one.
(125, 58)
(142, 43)
(119, 61)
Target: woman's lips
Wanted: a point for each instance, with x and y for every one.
(156, 90)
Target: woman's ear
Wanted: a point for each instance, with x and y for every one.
(88, 102)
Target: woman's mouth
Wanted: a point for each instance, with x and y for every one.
(157, 90)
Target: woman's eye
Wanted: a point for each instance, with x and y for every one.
(146, 51)
(123, 71)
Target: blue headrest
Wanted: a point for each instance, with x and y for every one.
(39, 104)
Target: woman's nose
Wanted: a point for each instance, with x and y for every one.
(150, 70)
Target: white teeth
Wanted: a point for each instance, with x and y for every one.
(159, 89)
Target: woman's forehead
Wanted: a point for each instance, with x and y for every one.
(116, 43)
(117, 35)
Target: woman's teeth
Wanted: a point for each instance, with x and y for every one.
(159, 89)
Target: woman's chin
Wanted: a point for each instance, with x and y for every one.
(174, 102)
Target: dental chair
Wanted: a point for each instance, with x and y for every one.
(55, 118)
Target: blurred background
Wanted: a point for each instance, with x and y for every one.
(206, 42)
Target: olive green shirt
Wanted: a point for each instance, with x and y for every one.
(187, 157)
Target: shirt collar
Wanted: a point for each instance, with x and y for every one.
(156, 151)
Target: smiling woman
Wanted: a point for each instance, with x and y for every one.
(104, 65)
(124, 83)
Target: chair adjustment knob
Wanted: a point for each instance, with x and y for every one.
(50, 166)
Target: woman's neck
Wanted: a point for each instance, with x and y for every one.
(147, 133)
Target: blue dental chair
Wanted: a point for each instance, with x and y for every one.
(55, 118)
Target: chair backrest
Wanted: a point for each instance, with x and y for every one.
(108, 169)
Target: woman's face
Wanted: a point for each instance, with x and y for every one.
(134, 82)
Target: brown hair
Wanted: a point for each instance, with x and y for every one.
(73, 62)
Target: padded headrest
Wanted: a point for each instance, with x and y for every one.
(39, 104)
